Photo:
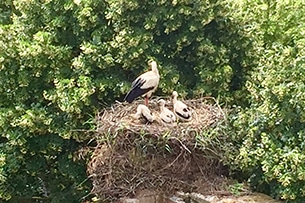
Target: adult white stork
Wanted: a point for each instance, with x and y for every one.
(145, 84)
(144, 112)
(181, 110)
(166, 115)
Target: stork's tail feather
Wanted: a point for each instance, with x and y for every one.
(130, 97)
(134, 93)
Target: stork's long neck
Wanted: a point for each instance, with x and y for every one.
(174, 99)
(162, 108)
(154, 67)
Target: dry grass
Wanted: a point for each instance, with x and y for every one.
(119, 116)
(132, 155)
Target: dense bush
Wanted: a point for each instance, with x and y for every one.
(43, 103)
(270, 133)
(194, 42)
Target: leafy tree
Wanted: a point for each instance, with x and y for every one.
(194, 42)
(6, 12)
(45, 100)
(270, 133)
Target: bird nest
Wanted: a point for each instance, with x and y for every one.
(120, 117)
(132, 155)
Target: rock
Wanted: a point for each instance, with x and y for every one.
(175, 199)
(145, 196)
(181, 197)
(130, 200)
(258, 198)
(199, 198)
(251, 198)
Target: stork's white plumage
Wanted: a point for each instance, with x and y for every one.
(181, 110)
(145, 84)
(166, 115)
(144, 112)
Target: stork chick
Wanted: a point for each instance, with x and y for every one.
(181, 110)
(144, 112)
(166, 115)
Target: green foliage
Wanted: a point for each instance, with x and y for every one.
(45, 100)
(270, 133)
(237, 188)
(193, 40)
(60, 60)
(7, 9)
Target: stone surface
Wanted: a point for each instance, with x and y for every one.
(250, 198)
(180, 197)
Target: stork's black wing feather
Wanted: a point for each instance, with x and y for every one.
(137, 82)
(136, 90)
(183, 116)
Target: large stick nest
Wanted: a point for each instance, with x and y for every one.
(132, 155)
(119, 116)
